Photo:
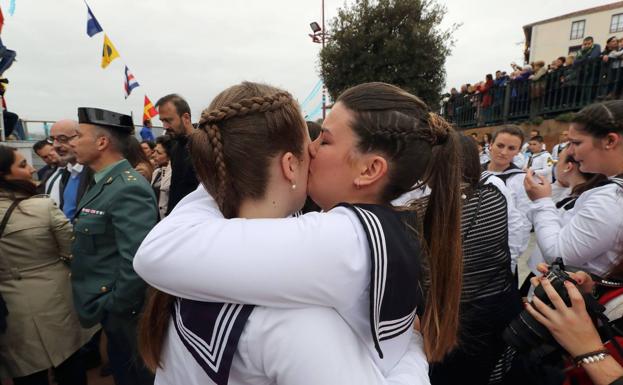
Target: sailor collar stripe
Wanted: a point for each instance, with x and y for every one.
(390, 316)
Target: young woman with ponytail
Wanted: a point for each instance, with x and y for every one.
(249, 150)
(360, 257)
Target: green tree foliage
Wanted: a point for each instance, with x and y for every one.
(393, 41)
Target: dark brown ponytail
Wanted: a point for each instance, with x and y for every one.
(421, 149)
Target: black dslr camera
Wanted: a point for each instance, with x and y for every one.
(525, 333)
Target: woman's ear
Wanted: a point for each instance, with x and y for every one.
(612, 140)
(374, 168)
(289, 166)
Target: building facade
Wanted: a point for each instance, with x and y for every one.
(560, 36)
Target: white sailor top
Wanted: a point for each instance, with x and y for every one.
(519, 225)
(360, 260)
(561, 196)
(541, 164)
(590, 237)
(306, 346)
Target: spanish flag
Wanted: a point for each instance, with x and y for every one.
(149, 111)
(109, 53)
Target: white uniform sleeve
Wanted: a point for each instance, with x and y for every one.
(515, 220)
(543, 166)
(315, 346)
(316, 259)
(522, 205)
(592, 231)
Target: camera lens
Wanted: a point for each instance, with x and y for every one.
(525, 333)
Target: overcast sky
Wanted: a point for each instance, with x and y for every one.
(199, 47)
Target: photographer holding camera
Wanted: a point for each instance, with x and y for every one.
(573, 329)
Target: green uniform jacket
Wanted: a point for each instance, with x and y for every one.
(112, 219)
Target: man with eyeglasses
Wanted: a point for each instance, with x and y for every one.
(69, 183)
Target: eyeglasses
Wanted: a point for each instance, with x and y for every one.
(61, 138)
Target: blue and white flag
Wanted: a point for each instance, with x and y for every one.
(93, 27)
(129, 82)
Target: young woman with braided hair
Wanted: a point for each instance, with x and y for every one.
(592, 233)
(359, 257)
(250, 148)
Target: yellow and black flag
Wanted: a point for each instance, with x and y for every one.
(109, 53)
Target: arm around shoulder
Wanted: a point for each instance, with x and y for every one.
(316, 259)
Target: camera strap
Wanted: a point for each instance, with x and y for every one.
(606, 282)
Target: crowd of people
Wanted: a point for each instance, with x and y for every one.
(253, 248)
(589, 74)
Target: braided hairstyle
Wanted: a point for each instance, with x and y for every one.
(244, 127)
(601, 119)
(421, 148)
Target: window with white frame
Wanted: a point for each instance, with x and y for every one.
(616, 23)
(577, 29)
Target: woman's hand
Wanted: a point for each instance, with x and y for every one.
(584, 280)
(570, 326)
(536, 190)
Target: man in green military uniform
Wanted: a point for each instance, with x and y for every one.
(111, 220)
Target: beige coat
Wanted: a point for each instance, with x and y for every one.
(43, 328)
(161, 182)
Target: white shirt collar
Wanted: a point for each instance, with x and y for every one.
(75, 169)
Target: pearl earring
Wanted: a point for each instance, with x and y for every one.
(293, 186)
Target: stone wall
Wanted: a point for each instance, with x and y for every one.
(550, 131)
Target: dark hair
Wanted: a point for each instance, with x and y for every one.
(510, 129)
(314, 129)
(537, 138)
(590, 180)
(243, 128)
(601, 119)
(40, 144)
(486, 137)
(489, 77)
(588, 38)
(421, 148)
(470, 162)
(166, 142)
(563, 59)
(150, 143)
(7, 158)
(181, 106)
(133, 152)
(611, 38)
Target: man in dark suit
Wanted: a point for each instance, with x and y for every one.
(175, 116)
(46, 152)
(70, 181)
(111, 221)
